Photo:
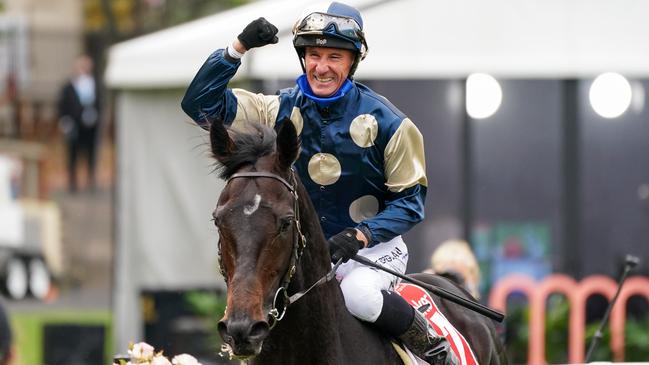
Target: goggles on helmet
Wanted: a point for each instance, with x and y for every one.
(340, 26)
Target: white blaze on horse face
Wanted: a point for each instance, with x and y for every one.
(251, 208)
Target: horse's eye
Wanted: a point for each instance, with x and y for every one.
(285, 224)
(216, 220)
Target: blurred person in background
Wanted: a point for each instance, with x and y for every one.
(361, 160)
(455, 260)
(78, 111)
(6, 344)
(7, 103)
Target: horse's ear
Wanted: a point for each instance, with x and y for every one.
(288, 144)
(220, 141)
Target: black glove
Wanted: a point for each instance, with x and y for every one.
(258, 33)
(344, 245)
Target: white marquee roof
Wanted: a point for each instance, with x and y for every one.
(413, 39)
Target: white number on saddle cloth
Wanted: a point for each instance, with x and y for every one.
(418, 297)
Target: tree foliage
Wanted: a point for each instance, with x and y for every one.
(123, 19)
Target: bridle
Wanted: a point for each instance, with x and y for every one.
(299, 243)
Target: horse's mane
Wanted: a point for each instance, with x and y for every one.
(251, 142)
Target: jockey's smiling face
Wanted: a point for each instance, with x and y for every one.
(327, 69)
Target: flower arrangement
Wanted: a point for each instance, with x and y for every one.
(142, 353)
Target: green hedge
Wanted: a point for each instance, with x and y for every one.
(28, 331)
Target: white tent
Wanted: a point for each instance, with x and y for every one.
(415, 39)
(165, 191)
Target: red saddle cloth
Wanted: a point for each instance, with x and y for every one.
(418, 297)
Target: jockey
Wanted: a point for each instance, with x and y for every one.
(361, 160)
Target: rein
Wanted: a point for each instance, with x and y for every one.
(299, 243)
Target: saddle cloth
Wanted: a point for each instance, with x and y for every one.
(419, 298)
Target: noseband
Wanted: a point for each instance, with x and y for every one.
(299, 243)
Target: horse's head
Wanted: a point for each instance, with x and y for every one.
(258, 225)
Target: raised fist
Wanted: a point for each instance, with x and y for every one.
(258, 33)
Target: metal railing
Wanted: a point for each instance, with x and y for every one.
(577, 293)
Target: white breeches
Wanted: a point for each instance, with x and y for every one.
(362, 285)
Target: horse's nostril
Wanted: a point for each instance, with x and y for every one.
(222, 327)
(259, 330)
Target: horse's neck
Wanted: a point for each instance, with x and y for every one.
(312, 327)
(315, 316)
(318, 329)
(318, 324)
(316, 251)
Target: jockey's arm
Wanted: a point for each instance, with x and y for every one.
(208, 97)
(405, 172)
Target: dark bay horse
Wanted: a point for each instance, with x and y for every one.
(271, 243)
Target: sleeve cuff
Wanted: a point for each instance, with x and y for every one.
(229, 58)
(368, 235)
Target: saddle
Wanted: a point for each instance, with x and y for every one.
(423, 302)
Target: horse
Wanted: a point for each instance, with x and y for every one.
(271, 244)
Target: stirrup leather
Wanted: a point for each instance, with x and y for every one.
(422, 340)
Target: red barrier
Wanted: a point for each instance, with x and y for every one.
(577, 294)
